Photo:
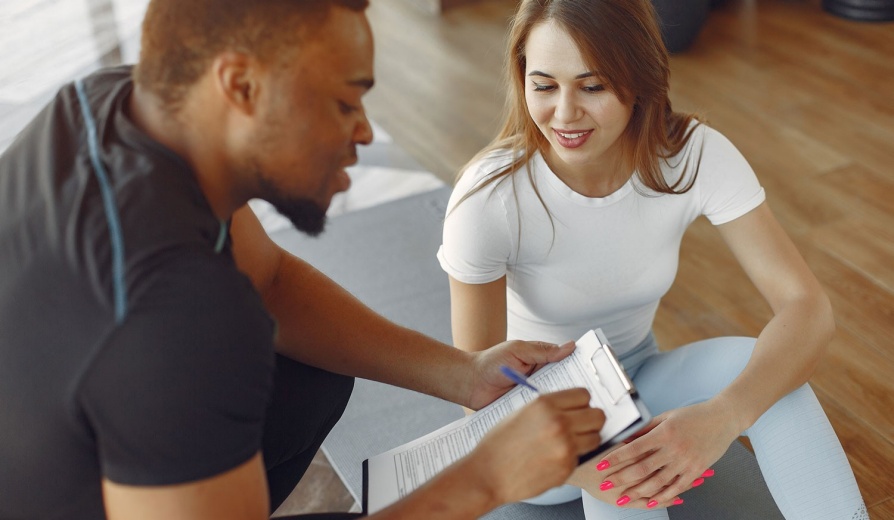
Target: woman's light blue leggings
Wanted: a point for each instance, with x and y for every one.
(799, 454)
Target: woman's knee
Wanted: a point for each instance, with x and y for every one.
(692, 373)
(799, 409)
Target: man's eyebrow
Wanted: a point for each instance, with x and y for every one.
(365, 83)
(589, 74)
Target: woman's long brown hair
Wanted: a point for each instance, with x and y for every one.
(621, 39)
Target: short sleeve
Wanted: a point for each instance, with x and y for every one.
(477, 240)
(179, 391)
(726, 183)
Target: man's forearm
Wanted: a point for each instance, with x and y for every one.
(321, 324)
(455, 493)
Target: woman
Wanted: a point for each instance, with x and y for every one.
(572, 219)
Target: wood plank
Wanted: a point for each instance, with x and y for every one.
(867, 192)
(870, 455)
(440, 108)
(861, 307)
(858, 377)
(867, 246)
(882, 510)
(320, 491)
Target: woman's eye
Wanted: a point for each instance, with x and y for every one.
(346, 108)
(594, 88)
(542, 88)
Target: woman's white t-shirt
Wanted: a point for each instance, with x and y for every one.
(598, 262)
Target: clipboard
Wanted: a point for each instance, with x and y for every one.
(605, 377)
(364, 496)
(616, 383)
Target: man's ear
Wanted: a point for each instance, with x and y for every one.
(237, 76)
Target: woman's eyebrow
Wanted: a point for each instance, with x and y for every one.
(589, 74)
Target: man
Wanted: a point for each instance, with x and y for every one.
(137, 369)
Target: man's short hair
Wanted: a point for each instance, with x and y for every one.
(181, 37)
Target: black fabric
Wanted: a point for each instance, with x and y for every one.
(862, 10)
(681, 21)
(175, 391)
(323, 516)
(305, 405)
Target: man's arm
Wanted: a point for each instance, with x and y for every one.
(238, 494)
(526, 454)
(321, 324)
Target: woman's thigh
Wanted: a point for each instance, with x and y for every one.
(692, 373)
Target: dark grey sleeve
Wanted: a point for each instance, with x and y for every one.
(179, 390)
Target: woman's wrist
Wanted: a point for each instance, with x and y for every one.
(731, 412)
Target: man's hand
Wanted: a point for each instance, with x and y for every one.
(537, 447)
(488, 382)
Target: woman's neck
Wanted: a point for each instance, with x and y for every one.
(594, 180)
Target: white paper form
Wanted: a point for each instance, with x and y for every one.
(397, 472)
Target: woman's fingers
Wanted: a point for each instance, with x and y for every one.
(657, 495)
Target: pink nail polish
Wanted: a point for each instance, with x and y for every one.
(698, 482)
(605, 486)
(678, 501)
(708, 473)
(602, 466)
(623, 500)
(652, 503)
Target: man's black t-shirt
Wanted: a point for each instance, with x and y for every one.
(131, 347)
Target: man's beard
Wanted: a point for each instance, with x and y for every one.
(305, 214)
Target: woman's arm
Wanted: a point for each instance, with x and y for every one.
(792, 343)
(478, 314)
(784, 357)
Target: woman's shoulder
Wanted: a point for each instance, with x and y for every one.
(705, 143)
(709, 139)
(485, 171)
(491, 162)
(704, 158)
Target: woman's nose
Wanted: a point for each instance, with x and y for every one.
(567, 109)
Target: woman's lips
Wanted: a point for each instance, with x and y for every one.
(572, 138)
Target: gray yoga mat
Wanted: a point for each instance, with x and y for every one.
(385, 255)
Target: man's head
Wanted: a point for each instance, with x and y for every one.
(277, 87)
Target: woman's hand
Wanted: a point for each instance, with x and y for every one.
(671, 457)
(488, 382)
(599, 484)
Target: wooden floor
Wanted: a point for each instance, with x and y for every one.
(807, 97)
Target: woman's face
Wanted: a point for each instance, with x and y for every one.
(571, 105)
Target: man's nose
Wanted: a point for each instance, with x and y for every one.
(363, 133)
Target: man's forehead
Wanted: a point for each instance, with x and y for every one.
(343, 47)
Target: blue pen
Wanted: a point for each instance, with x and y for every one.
(518, 378)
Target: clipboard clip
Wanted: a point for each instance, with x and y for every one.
(609, 372)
